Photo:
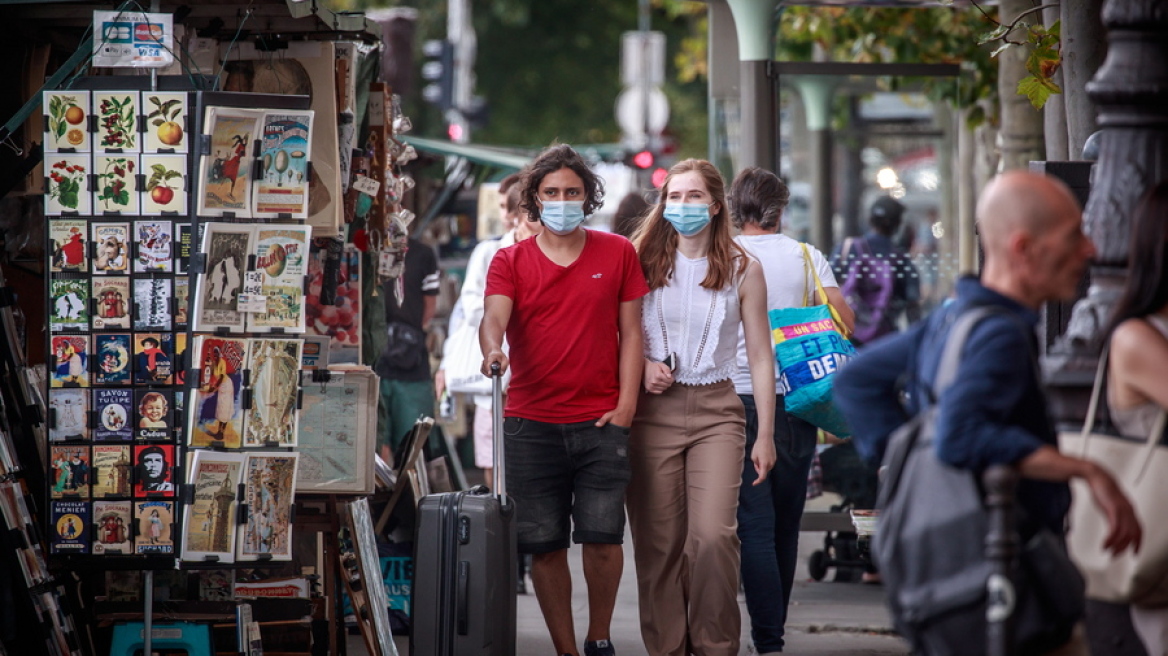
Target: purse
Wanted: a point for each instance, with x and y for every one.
(932, 555)
(462, 358)
(811, 343)
(1140, 467)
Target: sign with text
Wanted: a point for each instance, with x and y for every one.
(132, 39)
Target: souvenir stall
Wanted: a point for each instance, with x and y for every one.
(204, 432)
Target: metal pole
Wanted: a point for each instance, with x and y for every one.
(148, 613)
(1001, 545)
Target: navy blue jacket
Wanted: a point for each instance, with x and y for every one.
(993, 413)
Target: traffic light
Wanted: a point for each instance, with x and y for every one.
(641, 160)
(438, 69)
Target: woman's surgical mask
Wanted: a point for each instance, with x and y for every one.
(562, 216)
(687, 218)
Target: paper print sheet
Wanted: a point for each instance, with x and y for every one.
(166, 122)
(281, 259)
(70, 471)
(216, 413)
(182, 250)
(113, 525)
(70, 361)
(275, 372)
(284, 153)
(70, 408)
(153, 414)
(155, 520)
(209, 532)
(269, 485)
(111, 302)
(225, 186)
(115, 410)
(67, 188)
(337, 424)
(117, 184)
(217, 295)
(70, 246)
(166, 184)
(111, 471)
(182, 300)
(67, 127)
(154, 466)
(152, 304)
(70, 526)
(153, 358)
(113, 248)
(337, 316)
(68, 304)
(154, 245)
(117, 121)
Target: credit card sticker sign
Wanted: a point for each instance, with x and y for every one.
(132, 39)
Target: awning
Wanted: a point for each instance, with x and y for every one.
(505, 161)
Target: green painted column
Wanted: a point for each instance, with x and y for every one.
(754, 24)
(817, 91)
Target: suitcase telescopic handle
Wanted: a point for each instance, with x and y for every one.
(499, 471)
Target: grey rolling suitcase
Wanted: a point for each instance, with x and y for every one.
(463, 595)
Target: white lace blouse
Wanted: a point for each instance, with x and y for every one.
(699, 325)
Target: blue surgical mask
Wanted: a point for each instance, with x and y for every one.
(562, 216)
(687, 218)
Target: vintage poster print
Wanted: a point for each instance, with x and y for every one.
(275, 376)
(67, 188)
(153, 415)
(111, 470)
(180, 397)
(113, 248)
(336, 316)
(70, 474)
(282, 260)
(182, 302)
(337, 432)
(111, 302)
(117, 121)
(112, 521)
(269, 482)
(216, 413)
(152, 304)
(155, 521)
(180, 372)
(70, 532)
(117, 184)
(282, 188)
(70, 246)
(70, 415)
(166, 184)
(112, 351)
(217, 295)
(67, 128)
(153, 358)
(68, 304)
(225, 186)
(210, 528)
(166, 121)
(70, 361)
(115, 410)
(182, 248)
(154, 246)
(154, 467)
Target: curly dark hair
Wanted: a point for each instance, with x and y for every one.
(552, 159)
(758, 196)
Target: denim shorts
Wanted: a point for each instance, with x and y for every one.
(563, 476)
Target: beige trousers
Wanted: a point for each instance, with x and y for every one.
(686, 449)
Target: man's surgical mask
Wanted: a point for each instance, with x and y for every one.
(687, 218)
(562, 216)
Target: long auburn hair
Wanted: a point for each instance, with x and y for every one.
(1146, 291)
(656, 240)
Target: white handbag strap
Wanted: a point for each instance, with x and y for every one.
(1153, 438)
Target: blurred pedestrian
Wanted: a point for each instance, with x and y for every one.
(569, 303)
(689, 434)
(629, 214)
(769, 513)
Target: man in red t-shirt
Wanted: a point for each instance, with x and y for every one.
(569, 301)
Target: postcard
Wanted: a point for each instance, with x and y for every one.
(114, 410)
(113, 250)
(154, 468)
(153, 414)
(182, 302)
(225, 185)
(275, 373)
(70, 471)
(282, 188)
(111, 302)
(166, 122)
(155, 522)
(152, 299)
(68, 304)
(210, 530)
(70, 412)
(269, 484)
(180, 360)
(111, 470)
(335, 312)
(117, 184)
(117, 121)
(113, 522)
(70, 361)
(154, 246)
(215, 584)
(216, 412)
(69, 239)
(180, 397)
(112, 351)
(165, 192)
(70, 526)
(153, 358)
(226, 246)
(281, 259)
(182, 249)
(67, 127)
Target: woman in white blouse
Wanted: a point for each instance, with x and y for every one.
(687, 440)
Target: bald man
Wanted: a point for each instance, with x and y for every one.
(995, 412)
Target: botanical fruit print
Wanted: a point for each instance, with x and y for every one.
(67, 128)
(117, 187)
(165, 190)
(117, 121)
(67, 185)
(165, 129)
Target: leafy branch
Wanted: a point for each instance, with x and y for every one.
(1044, 59)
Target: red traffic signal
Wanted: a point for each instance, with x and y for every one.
(641, 159)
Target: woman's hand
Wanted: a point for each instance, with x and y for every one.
(657, 377)
(763, 456)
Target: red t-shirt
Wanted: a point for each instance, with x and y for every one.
(564, 327)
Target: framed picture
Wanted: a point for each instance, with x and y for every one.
(282, 188)
(67, 188)
(111, 302)
(282, 262)
(70, 415)
(338, 425)
(116, 190)
(70, 361)
(112, 245)
(112, 527)
(166, 185)
(70, 246)
(227, 246)
(152, 299)
(153, 246)
(166, 122)
(210, 529)
(68, 304)
(66, 122)
(269, 481)
(115, 411)
(216, 414)
(117, 122)
(111, 471)
(274, 366)
(225, 175)
(155, 520)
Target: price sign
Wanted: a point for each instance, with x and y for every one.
(252, 298)
(367, 186)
